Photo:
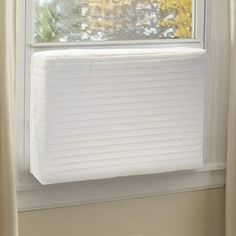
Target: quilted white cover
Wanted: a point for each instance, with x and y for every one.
(107, 113)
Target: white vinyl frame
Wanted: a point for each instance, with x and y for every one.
(211, 34)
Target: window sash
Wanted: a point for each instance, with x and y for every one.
(198, 27)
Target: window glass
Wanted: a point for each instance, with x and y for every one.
(112, 20)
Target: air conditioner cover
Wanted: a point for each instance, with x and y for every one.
(106, 113)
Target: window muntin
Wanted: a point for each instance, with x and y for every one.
(68, 21)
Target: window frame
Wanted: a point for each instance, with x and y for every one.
(32, 195)
(198, 16)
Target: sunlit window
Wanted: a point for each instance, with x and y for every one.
(112, 20)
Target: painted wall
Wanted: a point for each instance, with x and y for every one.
(199, 213)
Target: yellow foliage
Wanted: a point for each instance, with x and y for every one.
(182, 22)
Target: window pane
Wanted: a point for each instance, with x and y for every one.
(112, 20)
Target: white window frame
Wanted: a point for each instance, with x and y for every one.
(210, 34)
(198, 13)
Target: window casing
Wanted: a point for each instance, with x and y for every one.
(26, 47)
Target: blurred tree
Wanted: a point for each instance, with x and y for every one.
(45, 25)
(176, 18)
(96, 20)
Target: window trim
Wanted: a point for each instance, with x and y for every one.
(32, 195)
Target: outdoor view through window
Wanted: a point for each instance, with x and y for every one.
(112, 20)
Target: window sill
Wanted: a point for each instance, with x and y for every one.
(38, 197)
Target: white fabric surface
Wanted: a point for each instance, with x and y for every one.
(106, 113)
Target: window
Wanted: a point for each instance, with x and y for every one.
(113, 20)
(45, 25)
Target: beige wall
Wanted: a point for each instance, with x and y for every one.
(199, 213)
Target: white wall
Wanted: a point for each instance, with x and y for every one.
(198, 213)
